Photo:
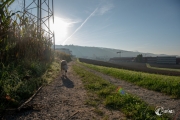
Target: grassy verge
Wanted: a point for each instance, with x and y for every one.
(18, 83)
(167, 69)
(20, 80)
(161, 83)
(51, 73)
(106, 93)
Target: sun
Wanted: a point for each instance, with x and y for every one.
(60, 28)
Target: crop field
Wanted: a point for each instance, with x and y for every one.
(131, 66)
(168, 68)
(165, 66)
(161, 83)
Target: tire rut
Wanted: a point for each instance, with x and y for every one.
(153, 98)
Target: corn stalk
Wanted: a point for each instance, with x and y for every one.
(19, 38)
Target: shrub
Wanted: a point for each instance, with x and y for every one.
(63, 56)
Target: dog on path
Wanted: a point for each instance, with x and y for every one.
(64, 67)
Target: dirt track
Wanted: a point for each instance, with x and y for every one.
(151, 97)
(63, 99)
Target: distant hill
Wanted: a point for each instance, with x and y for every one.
(102, 53)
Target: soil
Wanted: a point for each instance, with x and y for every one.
(177, 66)
(63, 99)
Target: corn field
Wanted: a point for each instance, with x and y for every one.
(25, 54)
(19, 39)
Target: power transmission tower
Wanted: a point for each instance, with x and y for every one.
(119, 53)
(40, 13)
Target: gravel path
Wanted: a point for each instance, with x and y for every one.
(151, 97)
(63, 99)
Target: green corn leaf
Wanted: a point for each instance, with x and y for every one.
(4, 4)
(10, 2)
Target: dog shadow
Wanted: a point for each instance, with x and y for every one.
(67, 82)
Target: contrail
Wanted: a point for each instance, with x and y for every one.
(80, 25)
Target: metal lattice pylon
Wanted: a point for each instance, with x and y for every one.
(41, 12)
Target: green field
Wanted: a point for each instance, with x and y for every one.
(161, 83)
(130, 105)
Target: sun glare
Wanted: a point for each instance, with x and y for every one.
(60, 28)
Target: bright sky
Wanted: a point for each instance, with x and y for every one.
(136, 25)
(148, 26)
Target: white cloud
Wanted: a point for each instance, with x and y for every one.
(104, 9)
(71, 22)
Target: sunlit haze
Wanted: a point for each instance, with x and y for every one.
(60, 28)
(148, 26)
(141, 25)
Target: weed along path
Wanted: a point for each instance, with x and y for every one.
(151, 97)
(63, 99)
